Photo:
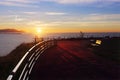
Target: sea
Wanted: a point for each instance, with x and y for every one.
(9, 42)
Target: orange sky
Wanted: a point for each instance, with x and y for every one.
(66, 27)
(60, 16)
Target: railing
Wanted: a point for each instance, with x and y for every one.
(25, 65)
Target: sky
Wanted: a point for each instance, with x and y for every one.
(56, 16)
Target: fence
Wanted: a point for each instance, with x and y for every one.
(25, 65)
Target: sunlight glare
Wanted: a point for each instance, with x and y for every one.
(39, 30)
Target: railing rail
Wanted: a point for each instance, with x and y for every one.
(25, 65)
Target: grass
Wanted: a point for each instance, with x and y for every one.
(7, 63)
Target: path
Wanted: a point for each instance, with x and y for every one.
(73, 60)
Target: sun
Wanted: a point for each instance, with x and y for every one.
(38, 30)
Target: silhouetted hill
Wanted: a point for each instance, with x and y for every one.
(10, 31)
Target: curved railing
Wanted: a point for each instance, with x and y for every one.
(25, 65)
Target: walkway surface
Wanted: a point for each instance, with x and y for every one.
(73, 60)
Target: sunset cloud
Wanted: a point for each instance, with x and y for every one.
(102, 17)
(28, 3)
(55, 13)
(80, 1)
(61, 14)
(73, 1)
(30, 13)
(18, 3)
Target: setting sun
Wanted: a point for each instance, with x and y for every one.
(38, 30)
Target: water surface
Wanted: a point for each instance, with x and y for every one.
(8, 42)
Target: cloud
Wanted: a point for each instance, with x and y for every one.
(74, 1)
(80, 1)
(5, 19)
(18, 3)
(39, 24)
(94, 17)
(30, 13)
(102, 17)
(29, 3)
(18, 18)
(55, 13)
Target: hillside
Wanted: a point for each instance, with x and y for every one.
(10, 31)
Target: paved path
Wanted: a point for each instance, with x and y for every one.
(73, 60)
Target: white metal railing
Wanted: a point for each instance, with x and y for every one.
(25, 65)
